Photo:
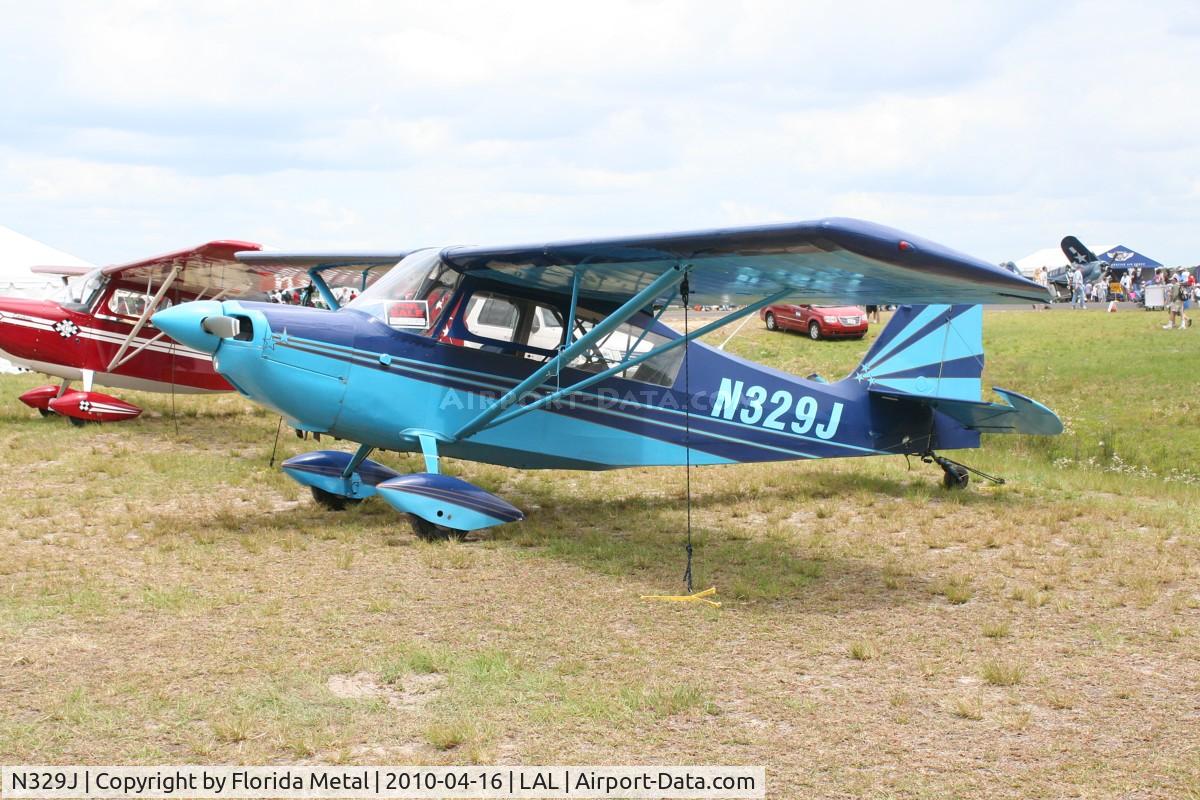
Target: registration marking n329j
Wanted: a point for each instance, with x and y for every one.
(767, 410)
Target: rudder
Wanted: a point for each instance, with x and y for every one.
(928, 351)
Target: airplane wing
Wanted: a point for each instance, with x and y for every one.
(235, 269)
(209, 268)
(355, 270)
(64, 271)
(830, 262)
(231, 269)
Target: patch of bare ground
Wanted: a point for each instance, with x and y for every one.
(414, 691)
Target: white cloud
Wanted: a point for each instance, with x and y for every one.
(133, 127)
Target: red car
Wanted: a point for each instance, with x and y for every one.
(819, 322)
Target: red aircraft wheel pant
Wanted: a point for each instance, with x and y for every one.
(40, 397)
(93, 407)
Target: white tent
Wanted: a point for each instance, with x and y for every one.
(17, 254)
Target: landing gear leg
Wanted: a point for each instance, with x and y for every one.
(339, 502)
(63, 388)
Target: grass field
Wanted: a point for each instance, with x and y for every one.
(167, 597)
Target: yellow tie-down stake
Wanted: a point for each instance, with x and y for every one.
(698, 597)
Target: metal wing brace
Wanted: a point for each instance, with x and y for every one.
(502, 410)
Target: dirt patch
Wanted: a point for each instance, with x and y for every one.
(412, 692)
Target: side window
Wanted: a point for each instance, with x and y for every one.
(502, 318)
(624, 342)
(492, 317)
(545, 330)
(126, 303)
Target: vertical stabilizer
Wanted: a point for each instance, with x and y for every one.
(928, 351)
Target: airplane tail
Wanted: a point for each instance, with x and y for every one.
(932, 357)
(933, 351)
(1075, 251)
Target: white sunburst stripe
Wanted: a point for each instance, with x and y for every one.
(109, 337)
(26, 321)
(112, 337)
(94, 406)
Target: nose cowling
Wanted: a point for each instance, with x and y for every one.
(185, 324)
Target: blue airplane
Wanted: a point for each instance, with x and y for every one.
(1090, 267)
(555, 356)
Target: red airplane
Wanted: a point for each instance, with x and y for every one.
(97, 330)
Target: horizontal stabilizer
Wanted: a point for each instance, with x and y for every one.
(1019, 414)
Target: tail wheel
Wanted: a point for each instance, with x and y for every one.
(331, 501)
(771, 324)
(426, 531)
(814, 330)
(955, 477)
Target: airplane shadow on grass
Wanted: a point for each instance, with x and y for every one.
(640, 537)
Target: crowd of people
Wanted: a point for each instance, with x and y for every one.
(309, 296)
(1178, 285)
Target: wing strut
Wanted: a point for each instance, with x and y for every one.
(633, 362)
(667, 281)
(145, 317)
(133, 353)
(314, 274)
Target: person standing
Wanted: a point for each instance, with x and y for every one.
(1078, 291)
(1175, 292)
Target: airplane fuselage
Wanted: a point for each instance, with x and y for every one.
(349, 375)
(47, 337)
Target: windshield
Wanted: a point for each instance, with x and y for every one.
(81, 293)
(422, 278)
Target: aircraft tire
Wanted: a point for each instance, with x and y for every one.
(45, 412)
(78, 423)
(426, 531)
(814, 330)
(331, 501)
(955, 477)
(770, 320)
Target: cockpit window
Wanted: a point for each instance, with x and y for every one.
(493, 319)
(421, 276)
(625, 342)
(511, 324)
(492, 316)
(81, 293)
(126, 303)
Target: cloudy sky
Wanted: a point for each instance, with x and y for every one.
(130, 128)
